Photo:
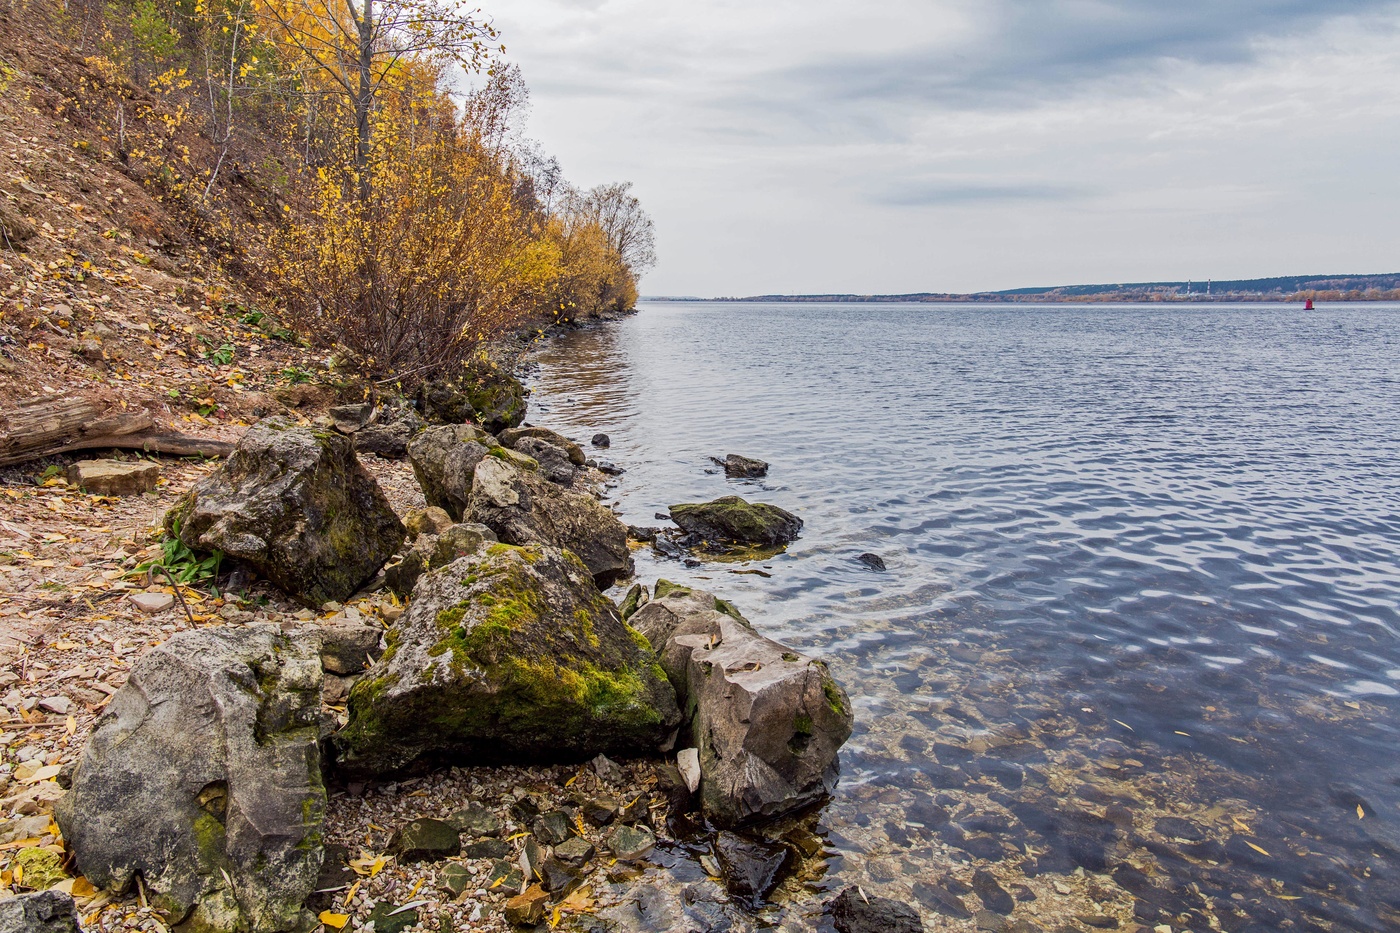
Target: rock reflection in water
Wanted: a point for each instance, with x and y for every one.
(1133, 660)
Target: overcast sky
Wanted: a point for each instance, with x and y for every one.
(962, 145)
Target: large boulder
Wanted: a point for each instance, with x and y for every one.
(731, 522)
(552, 461)
(512, 655)
(768, 721)
(203, 776)
(388, 437)
(295, 505)
(511, 437)
(492, 398)
(444, 460)
(40, 912)
(523, 508)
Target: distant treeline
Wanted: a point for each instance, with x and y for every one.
(1283, 288)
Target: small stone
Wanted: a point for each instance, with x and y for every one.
(600, 811)
(938, 898)
(574, 852)
(487, 848)
(688, 762)
(43, 868)
(739, 467)
(559, 878)
(508, 874)
(872, 561)
(114, 477)
(476, 820)
(750, 868)
(425, 840)
(994, 896)
(59, 705)
(456, 878)
(990, 922)
(40, 912)
(152, 603)
(430, 521)
(602, 440)
(387, 919)
(553, 828)
(854, 911)
(525, 910)
(608, 770)
(1098, 922)
(629, 843)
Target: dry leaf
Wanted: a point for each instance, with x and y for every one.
(333, 920)
(1259, 849)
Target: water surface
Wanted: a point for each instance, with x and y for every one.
(1136, 648)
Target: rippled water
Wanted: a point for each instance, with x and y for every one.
(1142, 608)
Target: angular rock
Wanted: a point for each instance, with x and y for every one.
(525, 509)
(854, 911)
(559, 878)
(498, 399)
(637, 597)
(574, 851)
(737, 467)
(513, 655)
(872, 562)
(527, 910)
(768, 721)
(445, 401)
(389, 917)
(732, 522)
(114, 477)
(458, 541)
(42, 868)
(389, 437)
(350, 418)
(751, 869)
(487, 848)
(994, 896)
(40, 912)
(939, 898)
(600, 811)
(629, 843)
(347, 647)
(425, 840)
(511, 437)
(456, 878)
(204, 776)
(296, 505)
(552, 460)
(151, 603)
(553, 828)
(476, 820)
(430, 521)
(444, 461)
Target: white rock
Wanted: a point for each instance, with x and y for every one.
(688, 761)
(59, 705)
(152, 602)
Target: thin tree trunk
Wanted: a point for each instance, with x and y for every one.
(364, 100)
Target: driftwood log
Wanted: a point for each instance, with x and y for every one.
(56, 424)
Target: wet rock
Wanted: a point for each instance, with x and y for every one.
(512, 438)
(872, 562)
(751, 869)
(444, 461)
(204, 776)
(1098, 921)
(425, 840)
(732, 522)
(1175, 828)
(737, 467)
(609, 469)
(574, 851)
(938, 898)
(40, 912)
(114, 477)
(993, 895)
(601, 440)
(989, 921)
(552, 828)
(855, 911)
(527, 910)
(525, 509)
(768, 721)
(389, 438)
(348, 647)
(552, 461)
(511, 656)
(294, 504)
(628, 843)
(430, 521)
(646, 535)
(476, 820)
(389, 917)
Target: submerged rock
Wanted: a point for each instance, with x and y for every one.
(854, 911)
(203, 776)
(768, 721)
(752, 869)
(738, 467)
(295, 505)
(523, 508)
(601, 440)
(510, 656)
(872, 562)
(731, 521)
(40, 912)
(444, 462)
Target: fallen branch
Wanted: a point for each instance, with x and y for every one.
(55, 424)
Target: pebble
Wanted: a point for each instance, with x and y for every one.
(152, 603)
(59, 705)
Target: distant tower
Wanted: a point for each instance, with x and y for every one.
(1188, 287)
(1208, 281)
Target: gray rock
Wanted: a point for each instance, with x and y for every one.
(444, 461)
(511, 437)
(389, 438)
(204, 776)
(737, 467)
(522, 508)
(855, 911)
(488, 848)
(425, 840)
(476, 820)
(768, 721)
(462, 540)
(552, 828)
(554, 464)
(114, 477)
(347, 647)
(732, 522)
(629, 843)
(513, 655)
(602, 440)
(574, 851)
(350, 418)
(294, 504)
(430, 521)
(751, 869)
(40, 912)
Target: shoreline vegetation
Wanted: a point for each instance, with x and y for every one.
(1291, 289)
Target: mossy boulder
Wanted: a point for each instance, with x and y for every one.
(523, 508)
(731, 522)
(499, 400)
(296, 505)
(40, 912)
(510, 656)
(511, 437)
(203, 776)
(444, 461)
(768, 721)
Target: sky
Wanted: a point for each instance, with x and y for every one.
(815, 146)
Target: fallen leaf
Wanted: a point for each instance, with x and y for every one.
(333, 920)
(1360, 813)
(1259, 849)
(43, 774)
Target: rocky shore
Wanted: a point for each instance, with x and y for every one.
(411, 707)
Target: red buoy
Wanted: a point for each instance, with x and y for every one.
(1308, 306)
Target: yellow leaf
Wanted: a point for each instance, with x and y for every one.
(333, 920)
(71, 726)
(350, 894)
(1360, 813)
(1289, 897)
(1259, 849)
(83, 888)
(378, 866)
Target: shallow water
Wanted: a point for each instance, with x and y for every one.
(1139, 637)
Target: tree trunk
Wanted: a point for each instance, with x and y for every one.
(55, 424)
(364, 101)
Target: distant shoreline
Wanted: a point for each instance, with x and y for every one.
(1024, 299)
